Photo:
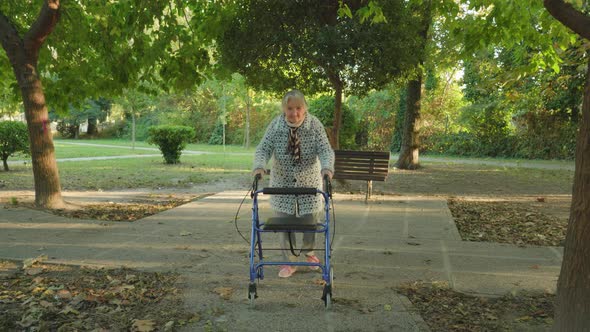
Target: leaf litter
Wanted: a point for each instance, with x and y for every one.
(444, 309)
(71, 298)
(514, 222)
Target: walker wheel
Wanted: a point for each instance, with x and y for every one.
(327, 297)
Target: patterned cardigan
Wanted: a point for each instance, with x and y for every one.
(316, 155)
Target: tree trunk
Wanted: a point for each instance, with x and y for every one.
(45, 173)
(5, 163)
(573, 287)
(408, 156)
(572, 312)
(410, 147)
(335, 140)
(92, 128)
(23, 54)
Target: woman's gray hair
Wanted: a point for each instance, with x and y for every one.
(294, 94)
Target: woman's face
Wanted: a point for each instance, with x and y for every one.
(294, 110)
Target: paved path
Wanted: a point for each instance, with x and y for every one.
(377, 246)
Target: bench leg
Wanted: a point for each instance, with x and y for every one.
(369, 190)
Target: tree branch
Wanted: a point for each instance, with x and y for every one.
(569, 16)
(11, 41)
(42, 27)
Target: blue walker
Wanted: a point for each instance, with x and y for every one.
(285, 225)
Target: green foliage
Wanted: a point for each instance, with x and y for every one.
(489, 124)
(323, 108)
(171, 140)
(545, 135)
(312, 47)
(217, 135)
(376, 114)
(14, 138)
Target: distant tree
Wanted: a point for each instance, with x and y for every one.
(14, 138)
(278, 45)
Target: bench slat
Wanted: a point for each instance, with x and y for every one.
(364, 154)
(366, 177)
(360, 170)
(360, 164)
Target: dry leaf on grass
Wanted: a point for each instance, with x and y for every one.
(146, 325)
(224, 292)
(30, 261)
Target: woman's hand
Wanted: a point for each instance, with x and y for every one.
(258, 171)
(328, 173)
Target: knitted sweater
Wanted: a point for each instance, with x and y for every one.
(316, 155)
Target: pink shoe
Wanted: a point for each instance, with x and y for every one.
(313, 259)
(286, 271)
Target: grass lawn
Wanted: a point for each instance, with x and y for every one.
(64, 150)
(138, 172)
(141, 144)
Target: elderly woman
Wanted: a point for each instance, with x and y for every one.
(302, 155)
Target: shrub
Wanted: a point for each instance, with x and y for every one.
(14, 138)
(171, 140)
(217, 134)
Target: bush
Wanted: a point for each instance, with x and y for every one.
(14, 138)
(171, 140)
(217, 135)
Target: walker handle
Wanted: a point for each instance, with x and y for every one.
(289, 191)
(257, 178)
(327, 185)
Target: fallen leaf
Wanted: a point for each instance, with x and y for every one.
(45, 304)
(320, 282)
(224, 292)
(69, 310)
(185, 233)
(38, 280)
(34, 271)
(168, 326)
(387, 307)
(146, 325)
(30, 261)
(64, 294)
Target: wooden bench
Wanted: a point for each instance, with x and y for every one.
(362, 165)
